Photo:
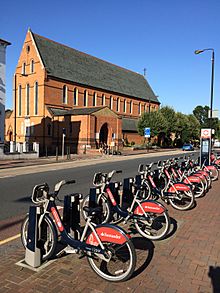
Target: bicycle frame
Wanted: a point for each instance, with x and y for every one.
(99, 233)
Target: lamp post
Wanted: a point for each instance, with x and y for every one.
(212, 80)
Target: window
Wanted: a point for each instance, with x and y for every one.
(49, 129)
(23, 71)
(103, 100)
(131, 107)
(85, 101)
(75, 97)
(94, 99)
(118, 105)
(65, 93)
(28, 99)
(32, 66)
(111, 102)
(139, 109)
(19, 100)
(124, 106)
(36, 98)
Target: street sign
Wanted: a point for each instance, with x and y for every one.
(147, 132)
(206, 133)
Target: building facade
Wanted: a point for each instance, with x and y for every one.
(59, 90)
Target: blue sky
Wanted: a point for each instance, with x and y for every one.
(158, 35)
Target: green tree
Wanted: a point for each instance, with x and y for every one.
(170, 115)
(155, 120)
(182, 129)
(194, 127)
(201, 114)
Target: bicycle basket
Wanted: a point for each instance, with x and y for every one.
(98, 179)
(40, 193)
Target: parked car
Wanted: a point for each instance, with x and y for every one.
(188, 147)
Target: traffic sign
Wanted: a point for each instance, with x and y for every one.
(206, 133)
(147, 132)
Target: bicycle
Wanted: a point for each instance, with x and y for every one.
(159, 185)
(151, 219)
(108, 248)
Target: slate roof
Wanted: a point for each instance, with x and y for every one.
(71, 65)
(129, 124)
(76, 111)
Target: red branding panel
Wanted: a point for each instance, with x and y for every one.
(193, 179)
(107, 234)
(111, 197)
(57, 219)
(179, 186)
(149, 207)
(211, 167)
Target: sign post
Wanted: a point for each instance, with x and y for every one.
(147, 135)
(205, 146)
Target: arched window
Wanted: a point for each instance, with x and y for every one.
(28, 99)
(49, 129)
(32, 66)
(111, 102)
(103, 100)
(75, 97)
(85, 101)
(65, 94)
(139, 109)
(94, 102)
(131, 106)
(124, 106)
(36, 98)
(118, 105)
(19, 99)
(23, 71)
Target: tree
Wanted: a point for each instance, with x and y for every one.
(201, 114)
(154, 120)
(170, 115)
(194, 127)
(182, 128)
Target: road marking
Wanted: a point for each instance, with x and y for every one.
(9, 239)
(7, 176)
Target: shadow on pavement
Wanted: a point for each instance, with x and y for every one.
(214, 274)
(24, 199)
(173, 228)
(144, 251)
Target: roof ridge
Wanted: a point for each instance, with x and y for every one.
(83, 53)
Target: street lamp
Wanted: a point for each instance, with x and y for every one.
(212, 79)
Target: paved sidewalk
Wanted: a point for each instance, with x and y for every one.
(187, 261)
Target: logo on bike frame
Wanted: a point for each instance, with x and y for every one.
(111, 196)
(57, 219)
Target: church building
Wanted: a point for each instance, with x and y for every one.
(62, 92)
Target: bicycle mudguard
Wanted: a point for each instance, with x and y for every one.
(200, 172)
(211, 167)
(179, 187)
(193, 179)
(107, 233)
(217, 162)
(149, 206)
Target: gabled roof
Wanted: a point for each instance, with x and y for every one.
(71, 65)
(77, 111)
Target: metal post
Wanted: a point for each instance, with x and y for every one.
(63, 138)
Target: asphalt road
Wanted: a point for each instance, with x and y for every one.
(16, 185)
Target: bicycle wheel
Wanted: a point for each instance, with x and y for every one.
(121, 264)
(214, 173)
(183, 200)
(199, 189)
(48, 239)
(145, 190)
(155, 226)
(102, 201)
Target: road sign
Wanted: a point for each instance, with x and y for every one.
(206, 133)
(147, 132)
